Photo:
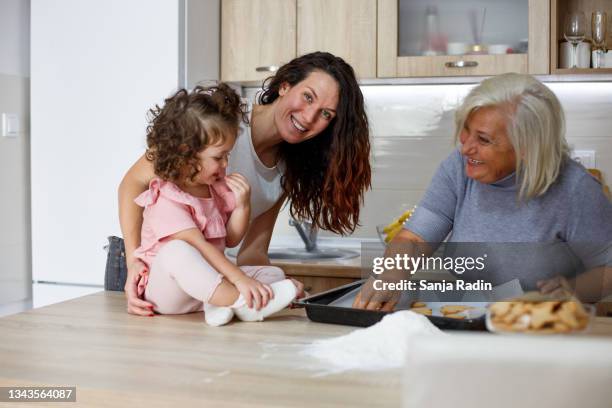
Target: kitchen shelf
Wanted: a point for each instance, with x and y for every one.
(558, 10)
(561, 75)
(583, 71)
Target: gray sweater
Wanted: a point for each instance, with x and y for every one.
(566, 230)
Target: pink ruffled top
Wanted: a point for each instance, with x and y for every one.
(168, 210)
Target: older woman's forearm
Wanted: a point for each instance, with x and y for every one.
(407, 243)
(594, 285)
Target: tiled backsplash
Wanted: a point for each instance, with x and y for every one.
(412, 132)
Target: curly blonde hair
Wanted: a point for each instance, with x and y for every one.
(188, 123)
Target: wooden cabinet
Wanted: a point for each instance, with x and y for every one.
(317, 284)
(559, 9)
(256, 35)
(392, 63)
(319, 277)
(346, 28)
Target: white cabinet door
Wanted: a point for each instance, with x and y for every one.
(96, 67)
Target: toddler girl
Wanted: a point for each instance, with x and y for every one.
(192, 210)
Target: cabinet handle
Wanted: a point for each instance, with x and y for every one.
(461, 64)
(267, 68)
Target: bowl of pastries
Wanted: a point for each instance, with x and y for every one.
(538, 314)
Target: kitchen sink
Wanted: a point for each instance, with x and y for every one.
(317, 254)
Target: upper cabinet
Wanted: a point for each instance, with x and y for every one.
(560, 9)
(346, 28)
(256, 37)
(400, 38)
(463, 37)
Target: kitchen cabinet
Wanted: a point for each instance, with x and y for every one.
(259, 35)
(415, 37)
(317, 284)
(559, 9)
(323, 275)
(346, 28)
(256, 36)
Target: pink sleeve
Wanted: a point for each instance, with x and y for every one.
(168, 217)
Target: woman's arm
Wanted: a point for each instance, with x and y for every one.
(254, 250)
(590, 286)
(135, 181)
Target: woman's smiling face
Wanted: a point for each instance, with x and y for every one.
(307, 108)
(486, 146)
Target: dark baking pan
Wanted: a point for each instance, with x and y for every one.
(318, 310)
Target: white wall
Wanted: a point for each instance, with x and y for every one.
(97, 67)
(411, 133)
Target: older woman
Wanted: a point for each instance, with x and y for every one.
(512, 181)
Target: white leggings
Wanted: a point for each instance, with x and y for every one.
(181, 280)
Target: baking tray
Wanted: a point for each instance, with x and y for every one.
(318, 310)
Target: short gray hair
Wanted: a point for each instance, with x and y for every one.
(535, 127)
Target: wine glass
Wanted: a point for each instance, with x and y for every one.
(574, 31)
(599, 21)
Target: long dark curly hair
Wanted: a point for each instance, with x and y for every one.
(188, 123)
(326, 177)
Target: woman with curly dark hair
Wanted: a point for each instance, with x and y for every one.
(192, 210)
(307, 141)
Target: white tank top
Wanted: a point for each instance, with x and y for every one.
(265, 181)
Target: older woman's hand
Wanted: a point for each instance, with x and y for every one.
(557, 286)
(369, 298)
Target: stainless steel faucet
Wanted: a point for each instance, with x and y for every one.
(308, 233)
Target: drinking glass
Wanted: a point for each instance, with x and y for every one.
(599, 22)
(574, 31)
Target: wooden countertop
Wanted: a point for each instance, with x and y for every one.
(115, 359)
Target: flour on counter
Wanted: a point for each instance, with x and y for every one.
(378, 347)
